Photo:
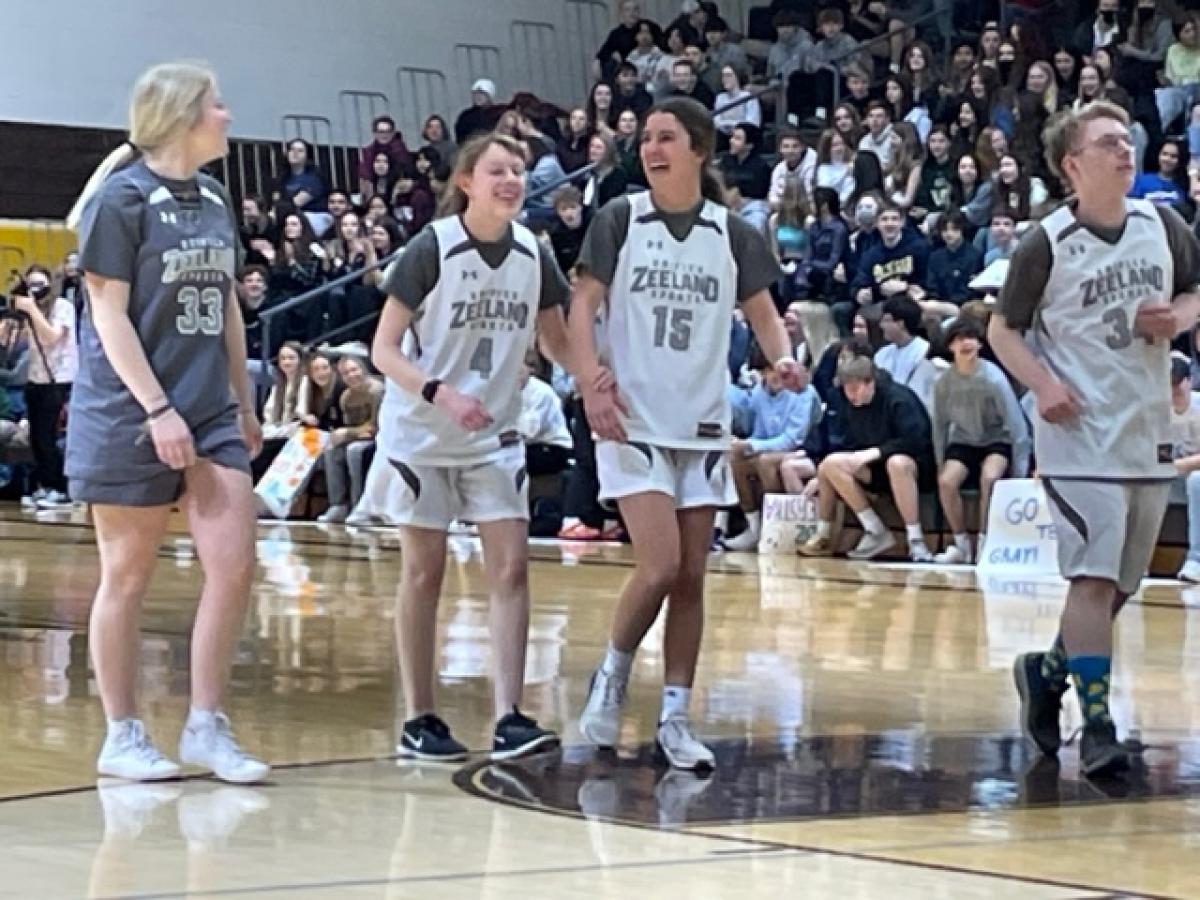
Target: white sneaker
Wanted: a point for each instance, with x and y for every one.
(952, 556)
(209, 743)
(872, 545)
(128, 808)
(129, 753)
(335, 515)
(918, 552)
(54, 500)
(600, 721)
(30, 501)
(746, 541)
(1190, 572)
(681, 749)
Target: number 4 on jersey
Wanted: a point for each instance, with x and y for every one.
(481, 359)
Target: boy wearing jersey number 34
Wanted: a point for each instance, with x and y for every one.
(1102, 286)
(669, 265)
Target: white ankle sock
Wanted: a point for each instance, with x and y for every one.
(617, 662)
(963, 543)
(754, 521)
(915, 534)
(871, 521)
(824, 529)
(721, 522)
(115, 725)
(675, 701)
(199, 718)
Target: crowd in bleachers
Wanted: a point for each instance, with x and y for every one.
(890, 151)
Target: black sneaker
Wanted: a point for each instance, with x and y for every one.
(1041, 703)
(428, 738)
(518, 735)
(1100, 753)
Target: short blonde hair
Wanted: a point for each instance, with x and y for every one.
(167, 100)
(1063, 132)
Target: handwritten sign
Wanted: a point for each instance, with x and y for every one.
(290, 471)
(1021, 537)
(788, 520)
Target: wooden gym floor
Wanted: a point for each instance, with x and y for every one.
(863, 718)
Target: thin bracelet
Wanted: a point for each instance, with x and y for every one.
(157, 414)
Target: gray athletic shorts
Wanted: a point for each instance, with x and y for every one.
(1107, 529)
(491, 491)
(218, 441)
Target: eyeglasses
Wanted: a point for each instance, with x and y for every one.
(1112, 143)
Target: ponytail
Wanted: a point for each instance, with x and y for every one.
(712, 186)
(118, 159)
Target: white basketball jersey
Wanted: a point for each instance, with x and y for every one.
(667, 328)
(472, 332)
(1084, 333)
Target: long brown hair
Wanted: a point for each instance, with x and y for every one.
(697, 122)
(284, 390)
(454, 198)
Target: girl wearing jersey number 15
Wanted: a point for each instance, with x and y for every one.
(153, 421)
(466, 298)
(669, 265)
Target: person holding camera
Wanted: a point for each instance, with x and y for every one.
(53, 361)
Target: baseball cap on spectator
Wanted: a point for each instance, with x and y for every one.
(486, 86)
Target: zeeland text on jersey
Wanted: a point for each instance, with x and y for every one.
(206, 260)
(491, 309)
(693, 286)
(1122, 280)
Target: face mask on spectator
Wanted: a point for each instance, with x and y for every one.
(865, 215)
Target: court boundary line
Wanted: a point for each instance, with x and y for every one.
(467, 779)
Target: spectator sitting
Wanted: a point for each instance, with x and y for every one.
(745, 158)
(896, 266)
(972, 437)
(338, 204)
(628, 148)
(573, 148)
(878, 138)
(304, 186)
(905, 356)
(382, 180)
(281, 415)
(951, 267)
(797, 162)
(298, 264)
(1181, 76)
(739, 105)
(252, 296)
(542, 425)
(14, 432)
(653, 65)
(481, 116)
(608, 179)
(828, 241)
(319, 405)
(685, 83)
(937, 173)
(787, 229)
(888, 450)
(567, 235)
(629, 93)
(412, 201)
(345, 459)
(835, 45)
(386, 140)
(436, 135)
(754, 213)
(1023, 196)
(621, 41)
(1168, 186)
(1003, 237)
(722, 53)
(256, 230)
(601, 117)
(970, 194)
(14, 365)
(1185, 435)
(858, 89)
(834, 165)
(544, 171)
(782, 420)
(792, 46)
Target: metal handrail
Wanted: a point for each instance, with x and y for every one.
(755, 91)
(266, 315)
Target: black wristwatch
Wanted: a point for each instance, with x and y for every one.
(430, 388)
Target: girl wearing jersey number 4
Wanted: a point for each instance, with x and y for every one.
(471, 287)
(153, 421)
(670, 265)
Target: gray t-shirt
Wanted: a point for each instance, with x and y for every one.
(757, 266)
(416, 272)
(175, 243)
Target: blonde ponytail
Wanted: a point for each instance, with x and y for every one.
(118, 159)
(167, 100)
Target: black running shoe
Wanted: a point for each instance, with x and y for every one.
(428, 738)
(1100, 753)
(1041, 703)
(518, 735)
